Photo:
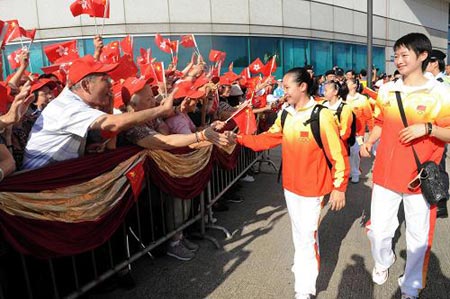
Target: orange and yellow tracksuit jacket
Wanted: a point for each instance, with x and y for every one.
(305, 171)
(394, 165)
(345, 124)
(363, 112)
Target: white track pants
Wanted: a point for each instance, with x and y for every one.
(355, 160)
(304, 213)
(420, 220)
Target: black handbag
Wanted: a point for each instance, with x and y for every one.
(431, 180)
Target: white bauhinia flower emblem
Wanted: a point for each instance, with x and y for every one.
(162, 45)
(62, 51)
(17, 58)
(256, 67)
(84, 4)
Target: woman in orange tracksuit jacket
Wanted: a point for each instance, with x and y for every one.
(306, 175)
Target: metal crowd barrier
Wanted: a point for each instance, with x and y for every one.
(148, 225)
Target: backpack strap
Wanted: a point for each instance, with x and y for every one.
(314, 121)
(339, 110)
(284, 114)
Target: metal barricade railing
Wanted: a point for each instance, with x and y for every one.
(147, 226)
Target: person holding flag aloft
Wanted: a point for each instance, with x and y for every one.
(310, 170)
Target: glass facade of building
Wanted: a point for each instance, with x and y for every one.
(241, 50)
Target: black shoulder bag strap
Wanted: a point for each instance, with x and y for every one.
(405, 123)
(284, 114)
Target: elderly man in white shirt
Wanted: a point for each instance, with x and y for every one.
(61, 130)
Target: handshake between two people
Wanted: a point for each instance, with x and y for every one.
(213, 134)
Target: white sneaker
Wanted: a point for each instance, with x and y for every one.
(379, 276)
(248, 179)
(404, 296)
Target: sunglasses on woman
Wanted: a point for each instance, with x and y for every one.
(417, 181)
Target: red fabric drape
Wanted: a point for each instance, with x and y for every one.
(185, 188)
(45, 239)
(66, 173)
(53, 238)
(227, 161)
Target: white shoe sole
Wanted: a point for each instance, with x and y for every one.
(179, 257)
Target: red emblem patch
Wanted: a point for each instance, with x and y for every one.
(304, 134)
(421, 108)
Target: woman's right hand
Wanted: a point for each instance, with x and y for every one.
(365, 149)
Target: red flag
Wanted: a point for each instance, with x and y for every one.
(13, 31)
(62, 52)
(163, 43)
(145, 57)
(100, 8)
(256, 66)
(245, 120)
(110, 53)
(144, 60)
(127, 45)
(245, 73)
(230, 67)
(136, 177)
(14, 58)
(270, 67)
(370, 92)
(148, 71)
(126, 69)
(28, 33)
(188, 41)
(158, 68)
(93, 8)
(216, 56)
(80, 7)
(3, 30)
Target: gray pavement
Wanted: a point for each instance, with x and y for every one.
(256, 261)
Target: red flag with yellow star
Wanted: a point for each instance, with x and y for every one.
(136, 177)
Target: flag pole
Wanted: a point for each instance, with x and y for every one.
(95, 24)
(195, 44)
(104, 15)
(273, 61)
(242, 107)
(164, 79)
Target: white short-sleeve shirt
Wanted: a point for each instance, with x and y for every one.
(60, 131)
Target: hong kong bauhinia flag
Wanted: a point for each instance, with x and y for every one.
(163, 43)
(127, 45)
(217, 56)
(62, 52)
(14, 58)
(256, 66)
(93, 8)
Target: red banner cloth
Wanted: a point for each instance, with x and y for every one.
(47, 239)
(185, 188)
(227, 161)
(67, 173)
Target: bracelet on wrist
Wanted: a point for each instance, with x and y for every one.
(202, 135)
(429, 127)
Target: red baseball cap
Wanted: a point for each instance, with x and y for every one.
(5, 97)
(87, 65)
(133, 85)
(41, 83)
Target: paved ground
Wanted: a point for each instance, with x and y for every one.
(256, 261)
